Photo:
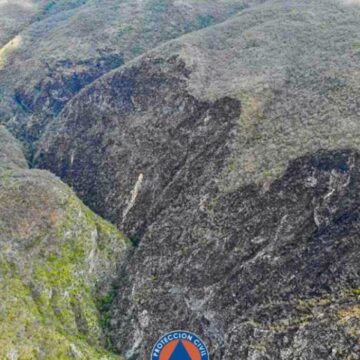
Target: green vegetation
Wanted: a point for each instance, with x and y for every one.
(56, 260)
(267, 174)
(356, 45)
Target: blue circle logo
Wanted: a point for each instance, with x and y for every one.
(179, 345)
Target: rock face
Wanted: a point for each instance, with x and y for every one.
(181, 143)
(230, 156)
(260, 273)
(57, 261)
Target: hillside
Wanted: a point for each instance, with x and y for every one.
(57, 261)
(180, 149)
(222, 138)
(67, 47)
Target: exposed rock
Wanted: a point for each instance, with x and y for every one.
(258, 274)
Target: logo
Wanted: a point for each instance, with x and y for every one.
(179, 345)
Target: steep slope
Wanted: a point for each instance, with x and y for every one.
(51, 60)
(181, 147)
(151, 145)
(16, 15)
(259, 273)
(57, 261)
(145, 120)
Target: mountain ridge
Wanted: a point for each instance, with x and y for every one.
(229, 156)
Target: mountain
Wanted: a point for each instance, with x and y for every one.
(18, 15)
(57, 262)
(71, 43)
(181, 148)
(223, 141)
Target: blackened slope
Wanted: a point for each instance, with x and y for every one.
(52, 59)
(140, 133)
(279, 60)
(258, 273)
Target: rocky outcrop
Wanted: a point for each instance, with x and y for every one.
(57, 264)
(261, 273)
